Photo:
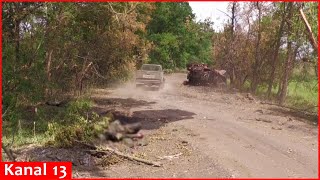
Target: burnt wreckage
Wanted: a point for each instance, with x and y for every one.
(202, 75)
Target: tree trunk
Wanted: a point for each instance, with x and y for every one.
(48, 72)
(288, 63)
(276, 54)
(287, 70)
(256, 65)
(17, 39)
(231, 51)
(233, 18)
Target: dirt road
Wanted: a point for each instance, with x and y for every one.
(224, 134)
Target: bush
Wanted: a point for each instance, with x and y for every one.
(77, 125)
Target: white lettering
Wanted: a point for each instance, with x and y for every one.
(26, 169)
(63, 171)
(8, 169)
(45, 169)
(18, 171)
(37, 171)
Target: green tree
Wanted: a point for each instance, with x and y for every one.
(177, 39)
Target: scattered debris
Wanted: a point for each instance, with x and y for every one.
(249, 96)
(192, 134)
(184, 143)
(250, 146)
(263, 120)
(276, 128)
(292, 127)
(143, 142)
(259, 111)
(281, 123)
(128, 142)
(170, 157)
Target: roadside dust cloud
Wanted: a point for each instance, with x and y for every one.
(129, 90)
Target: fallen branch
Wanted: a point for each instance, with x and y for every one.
(132, 158)
(104, 151)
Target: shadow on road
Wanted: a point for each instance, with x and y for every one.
(153, 119)
(125, 102)
(116, 106)
(150, 119)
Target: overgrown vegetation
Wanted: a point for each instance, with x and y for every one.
(57, 126)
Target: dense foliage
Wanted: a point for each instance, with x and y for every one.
(53, 48)
(177, 38)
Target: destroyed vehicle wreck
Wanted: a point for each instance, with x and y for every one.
(202, 75)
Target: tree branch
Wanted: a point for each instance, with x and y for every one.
(310, 34)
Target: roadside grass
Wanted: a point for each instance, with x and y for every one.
(44, 127)
(25, 138)
(303, 88)
(26, 127)
(301, 95)
(302, 91)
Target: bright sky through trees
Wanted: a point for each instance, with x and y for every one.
(213, 10)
